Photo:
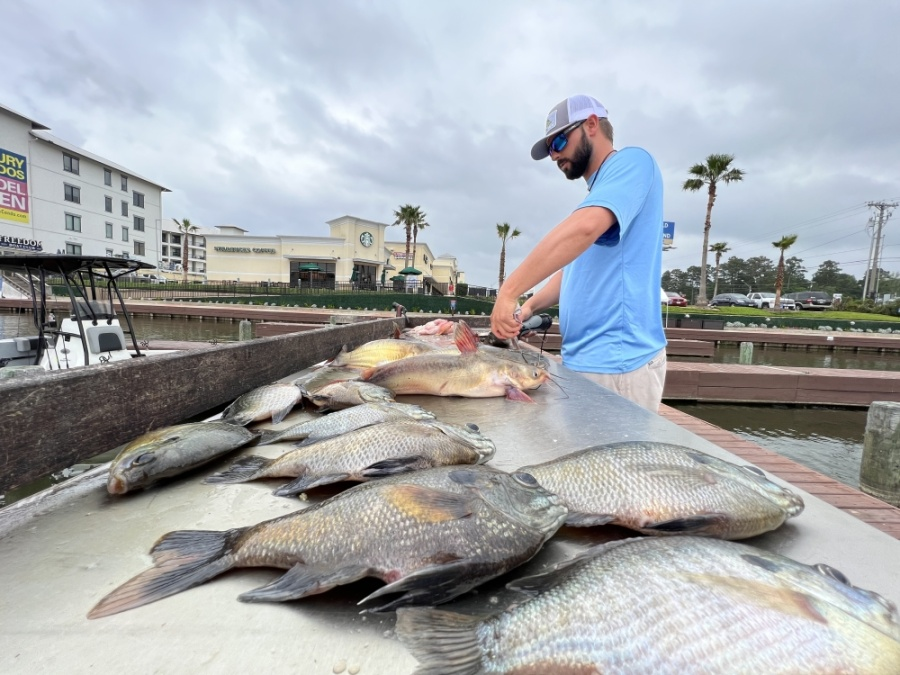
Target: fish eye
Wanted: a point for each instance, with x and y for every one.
(143, 459)
(525, 479)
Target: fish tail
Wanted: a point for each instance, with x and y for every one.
(182, 560)
(441, 641)
(267, 437)
(241, 471)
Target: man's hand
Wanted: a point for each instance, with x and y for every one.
(507, 318)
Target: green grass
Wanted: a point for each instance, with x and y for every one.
(832, 315)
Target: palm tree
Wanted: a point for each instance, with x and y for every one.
(717, 169)
(185, 228)
(782, 245)
(408, 216)
(419, 224)
(718, 248)
(505, 234)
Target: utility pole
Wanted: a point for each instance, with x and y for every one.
(882, 213)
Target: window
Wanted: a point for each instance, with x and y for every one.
(165, 236)
(73, 249)
(165, 251)
(124, 234)
(138, 199)
(73, 223)
(176, 239)
(124, 183)
(72, 193)
(176, 252)
(124, 208)
(125, 255)
(107, 180)
(138, 223)
(107, 204)
(70, 163)
(139, 248)
(109, 230)
(109, 253)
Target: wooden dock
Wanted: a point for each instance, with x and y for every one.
(734, 383)
(875, 512)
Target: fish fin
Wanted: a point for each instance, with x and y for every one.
(279, 415)
(427, 505)
(690, 524)
(303, 483)
(302, 580)
(588, 519)
(182, 560)
(396, 334)
(440, 641)
(368, 373)
(465, 339)
(390, 467)
(430, 585)
(514, 394)
(246, 468)
(267, 437)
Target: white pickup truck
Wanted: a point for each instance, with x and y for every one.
(767, 301)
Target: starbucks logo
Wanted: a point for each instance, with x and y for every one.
(366, 239)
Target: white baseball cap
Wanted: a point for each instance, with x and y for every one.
(573, 109)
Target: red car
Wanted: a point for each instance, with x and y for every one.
(676, 300)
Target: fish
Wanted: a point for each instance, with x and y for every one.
(173, 450)
(320, 376)
(348, 393)
(371, 452)
(666, 606)
(661, 488)
(376, 352)
(269, 401)
(431, 535)
(472, 373)
(342, 421)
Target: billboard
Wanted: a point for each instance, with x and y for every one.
(668, 234)
(13, 187)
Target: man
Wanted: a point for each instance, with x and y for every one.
(603, 262)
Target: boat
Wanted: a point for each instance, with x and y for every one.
(92, 331)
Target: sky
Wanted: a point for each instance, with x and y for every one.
(279, 116)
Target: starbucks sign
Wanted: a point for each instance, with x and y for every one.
(366, 239)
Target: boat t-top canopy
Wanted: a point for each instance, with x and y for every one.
(67, 264)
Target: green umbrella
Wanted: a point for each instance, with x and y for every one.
(410, 270)
(398, 278)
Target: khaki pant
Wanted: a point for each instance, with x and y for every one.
(644, 386)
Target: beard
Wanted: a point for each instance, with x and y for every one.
(577, 166)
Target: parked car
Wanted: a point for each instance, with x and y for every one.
(731, 300)
(767, 301)
(152, 278)
(811, 299)
(676, 299)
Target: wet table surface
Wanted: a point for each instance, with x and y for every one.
(58, 564)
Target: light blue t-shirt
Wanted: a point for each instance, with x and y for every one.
(610, 315)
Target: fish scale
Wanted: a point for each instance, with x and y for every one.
(676, 605)
(644, 485)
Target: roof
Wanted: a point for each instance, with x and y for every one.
(34, 124)
(69, 263)
(65, 145)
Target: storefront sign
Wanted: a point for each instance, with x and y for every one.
(240, 249)
(13, 187)
(21, 244)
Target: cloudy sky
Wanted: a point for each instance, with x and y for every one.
(278, 116)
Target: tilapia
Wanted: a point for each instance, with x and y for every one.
(348, 393)
(431, 535)
(675, 606)
(317, 378)
(372, 452)
(376, 352)
(472, 373)
(660, 488)
(271, 400)
(170, 451)
(349, 419)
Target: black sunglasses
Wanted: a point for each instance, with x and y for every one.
(561, 140)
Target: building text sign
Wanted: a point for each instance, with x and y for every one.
(13, 187)
(241, 249)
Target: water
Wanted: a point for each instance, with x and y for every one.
(828, 440)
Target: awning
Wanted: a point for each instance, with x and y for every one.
(309, 267)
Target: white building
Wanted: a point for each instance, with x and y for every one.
(171, 255)
(58, 198)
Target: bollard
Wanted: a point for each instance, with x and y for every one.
(746, 355)
(879, 471)
(245, 330)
